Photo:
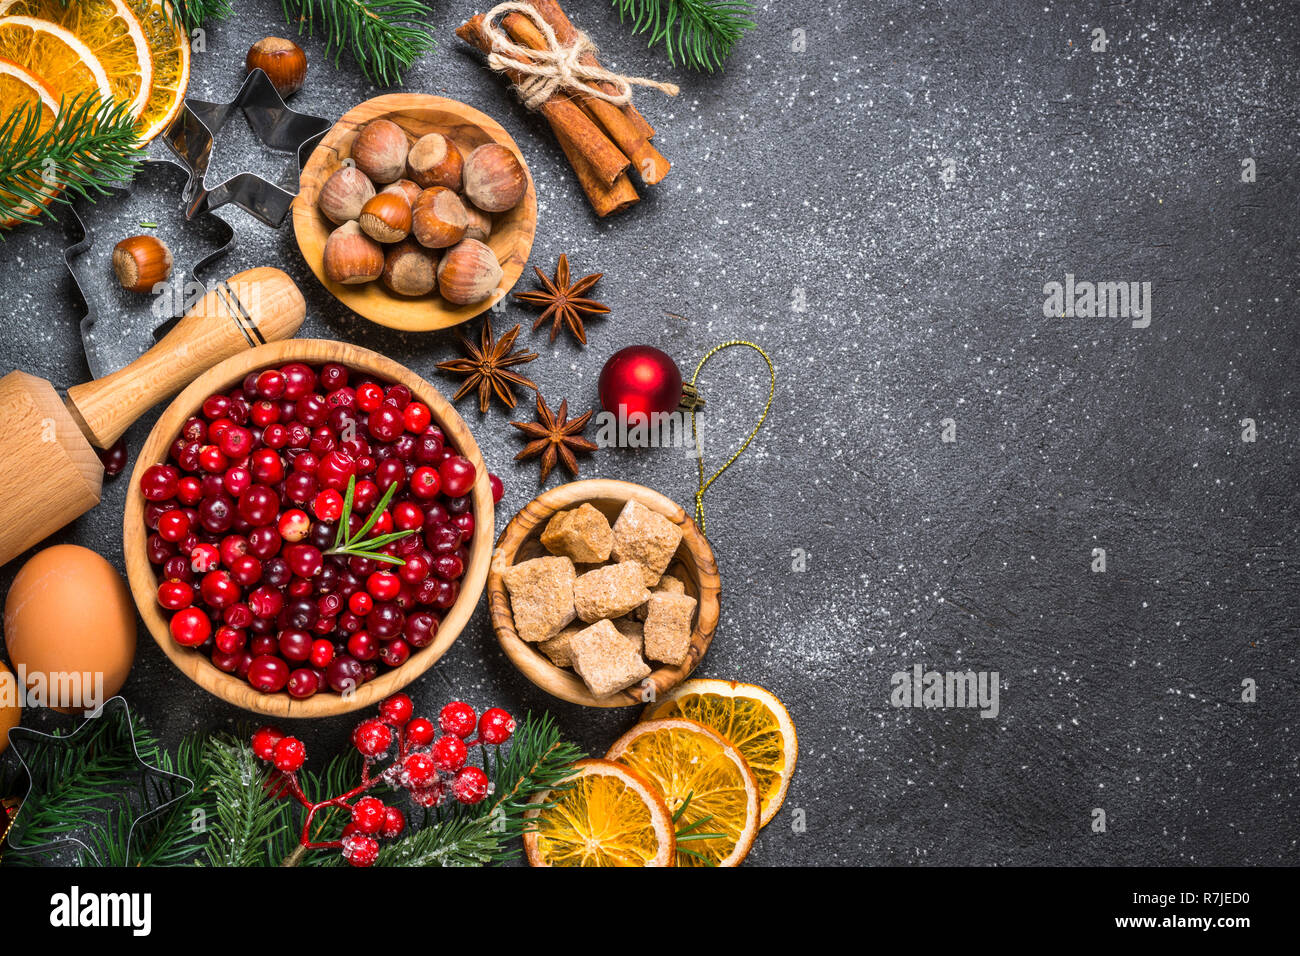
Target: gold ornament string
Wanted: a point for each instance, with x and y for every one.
(699, 454)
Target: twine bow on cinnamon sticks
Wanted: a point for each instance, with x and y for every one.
(553, 67)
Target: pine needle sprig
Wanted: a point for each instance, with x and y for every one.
(384, 36)
(696, 33)
(192, 14)
(246, 814)
(91, 146)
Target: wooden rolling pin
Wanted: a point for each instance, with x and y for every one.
(49, 472)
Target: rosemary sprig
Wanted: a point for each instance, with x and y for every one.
(691, 832)
(697, 33)
(357, 545)
(91, 146)
(384, 36)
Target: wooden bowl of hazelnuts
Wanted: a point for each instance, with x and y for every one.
(417, 212)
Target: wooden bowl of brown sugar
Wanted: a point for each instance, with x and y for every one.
(693, 564)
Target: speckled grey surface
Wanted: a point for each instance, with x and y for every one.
(823, 176)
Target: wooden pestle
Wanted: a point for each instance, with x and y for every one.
(50, 473)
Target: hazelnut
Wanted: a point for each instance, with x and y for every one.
(410, 269)
(141, 262)
(434, 160)
(352, 257)
(468, 273)
(282, 60)
(344, 193)
(480, 223)
(494, 178)
(380, 151)
(407, 188)
(439, 218)
(386, 217)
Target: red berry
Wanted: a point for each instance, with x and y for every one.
(495, 726)
(268, 674)
(470, 786)
(360, 850)
(264, 741)
(236, 442)
(383, 585)
(173, 525)
(190, 627)
(328, 505)
(498, 489)
(369, 396)
(419, 771)
(230, 640)
(372, 738)
(368, 814)
(289, 755)
(416, 417)
(294, 525)
(175, 595)
(457, 474)
(394, 823)
(425, 483)
(159, 482)
(420, 732)
(302, 683)
(395, 653)
(449, 753)
(322, 652)
(396, 710)
(360, 603)
(458, 718)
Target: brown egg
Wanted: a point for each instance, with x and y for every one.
(11, 711)
(70, 628)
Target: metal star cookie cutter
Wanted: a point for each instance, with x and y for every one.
(193, 133)
(175, 787)
(147, 204)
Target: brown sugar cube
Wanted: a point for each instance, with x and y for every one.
(667, 583)
(668, 627)
(541, 596)
(646, 537)
(610, 591)
(632, 631)
(560, 647)
(605, 659)
(582, 533)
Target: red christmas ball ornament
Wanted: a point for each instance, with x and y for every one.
(640, 378)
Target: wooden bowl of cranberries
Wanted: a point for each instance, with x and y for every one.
(308, 528)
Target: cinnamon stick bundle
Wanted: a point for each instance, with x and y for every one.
(600, 139)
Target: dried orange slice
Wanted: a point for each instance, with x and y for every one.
(608, 816)
(753, 719)
(169, 46)
(25, 90)
(64, 63)
(110, 31)
(705, 782)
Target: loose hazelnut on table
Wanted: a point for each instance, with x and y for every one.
(386, 217)
(434, 160)
(344, 193)
(380, 151)
(410, 269)
(141, 262)
(283, 62)
(352, 257)
(439, 219)
(468, 273)
(494, 178)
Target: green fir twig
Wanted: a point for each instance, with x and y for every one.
(90, 147)
(194, 13)
(384, 36)
(696, 33)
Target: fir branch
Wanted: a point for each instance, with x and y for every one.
(90, 147)
(696, 33)
(246, 815)
(384, 36)
(192, 14)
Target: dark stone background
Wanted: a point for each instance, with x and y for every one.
(821, 171)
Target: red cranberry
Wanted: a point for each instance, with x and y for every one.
(299, 379)
(265, 602)
(259, 505)
(189, 490)
(394, 653)
(266, 466)
(219, 589)
(385, 423)
(344, 673)
(465, 523)
(173, 525)
(230, 640)
(302, 683)
(420, 629)
(363, 646)
(457, 475)
(158, 483)
(295, 645)
(498, 489)
(269, 675)
(246, 570)
(369, 396)
(190, 627)
(216, 514)
(237, 480)
(238, 615)
(385, 620)
(322, 652)
(263, 644)
(416, 417)
(264, 542)
(333, 376)
(175, 595)
(236, 442)
(443, 539)
(300, 487)
(304, 560)
(204, 557)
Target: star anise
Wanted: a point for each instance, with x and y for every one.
(553, 436)
(488, 367)
(562, 302)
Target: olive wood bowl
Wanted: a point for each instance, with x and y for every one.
(417, 114)
(693, 563)
(144, 581)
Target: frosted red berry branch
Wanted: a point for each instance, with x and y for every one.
(428, 766)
